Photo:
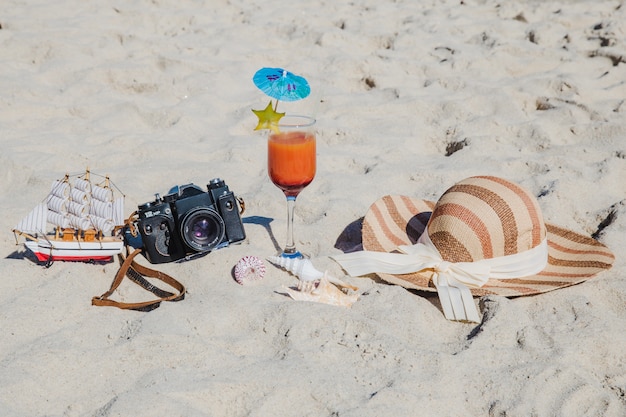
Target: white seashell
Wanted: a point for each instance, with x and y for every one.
(249, 268)
(301, 267)
(305, 271)
(325, 293)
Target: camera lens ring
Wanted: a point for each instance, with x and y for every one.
(202, 229)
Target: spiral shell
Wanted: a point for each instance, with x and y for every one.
(304, 270)
(300, 267)
(249, 268)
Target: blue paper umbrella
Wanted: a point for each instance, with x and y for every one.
(281, 84)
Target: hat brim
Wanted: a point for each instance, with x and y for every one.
(400, 220)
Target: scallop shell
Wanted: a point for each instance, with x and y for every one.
(325, 293)
(249, 268)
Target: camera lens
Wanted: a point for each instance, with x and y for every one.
(202, 229)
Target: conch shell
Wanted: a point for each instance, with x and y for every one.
(314, 285)
(304, 270)
(301, 267)
(325, 293)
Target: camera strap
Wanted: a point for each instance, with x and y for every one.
(136, 273)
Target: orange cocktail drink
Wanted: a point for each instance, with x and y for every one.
(291, 160)
(291, 165)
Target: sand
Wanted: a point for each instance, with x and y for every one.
(410, 98)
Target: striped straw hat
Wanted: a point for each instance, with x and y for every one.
(482, 218)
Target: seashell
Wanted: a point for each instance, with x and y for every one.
(305, 271)
(325, 293)
(301, 267)
(249, 268)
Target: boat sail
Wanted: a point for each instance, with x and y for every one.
(84, 216)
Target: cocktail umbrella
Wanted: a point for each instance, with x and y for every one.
(281, 84)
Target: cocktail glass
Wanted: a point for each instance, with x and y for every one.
(291, 163)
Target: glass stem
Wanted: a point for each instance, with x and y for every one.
(290, 247)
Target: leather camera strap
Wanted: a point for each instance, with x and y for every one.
(136, 273)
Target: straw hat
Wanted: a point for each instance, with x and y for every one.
(480, 220)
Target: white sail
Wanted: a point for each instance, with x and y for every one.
(35, 221)
(81, 223)
(101, 216)
(118, 211)
(106, 215)
(102, 193)
(57, 204)
(83, 185)
(79, 210)
(102, 224)
(81, 197)
(59, 219)
(60, 189)
(101, 209)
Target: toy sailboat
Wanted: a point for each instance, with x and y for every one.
(84, 216)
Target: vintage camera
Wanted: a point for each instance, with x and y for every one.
(189, 221)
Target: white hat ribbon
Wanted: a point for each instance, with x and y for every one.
(452, 280)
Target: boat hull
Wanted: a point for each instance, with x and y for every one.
(57, 250)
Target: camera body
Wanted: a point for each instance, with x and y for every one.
(189, 221)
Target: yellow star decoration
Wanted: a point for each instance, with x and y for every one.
(268, 118)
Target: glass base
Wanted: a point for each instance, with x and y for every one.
(292, 255)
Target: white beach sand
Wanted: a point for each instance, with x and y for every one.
(158, 93)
